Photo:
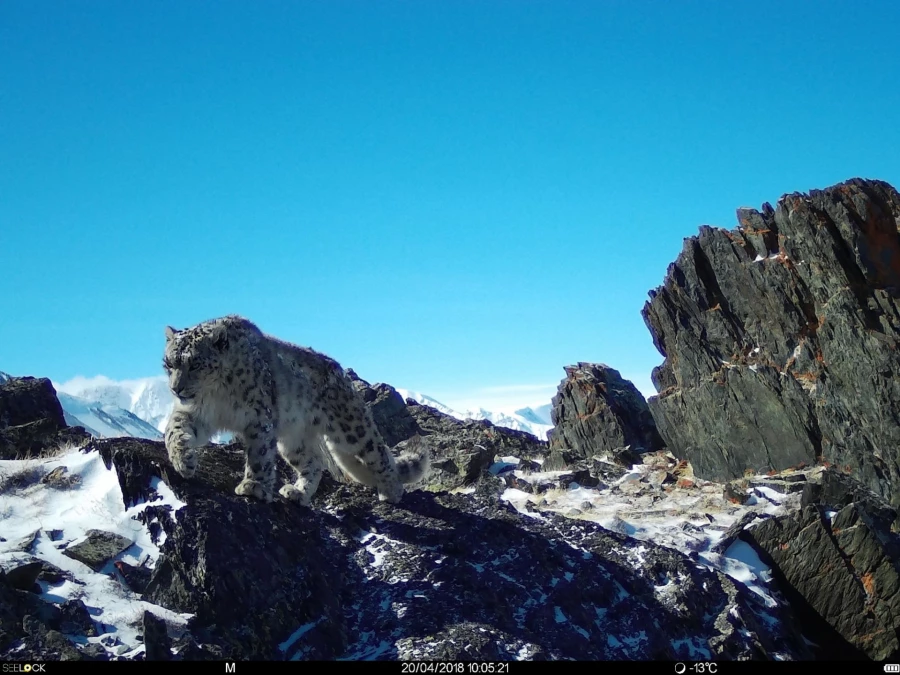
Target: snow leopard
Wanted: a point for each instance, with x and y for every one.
(227, 375)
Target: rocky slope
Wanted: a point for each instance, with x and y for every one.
(780, 339)
(185, 569)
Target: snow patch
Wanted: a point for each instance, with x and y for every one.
(91, 500)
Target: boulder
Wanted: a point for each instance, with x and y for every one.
(597, 411)
(840, 572)
(464, 450)
(780, 339)
(388, 410)
(97, 548)
(28, 399)
(32, 420)
(157, 645)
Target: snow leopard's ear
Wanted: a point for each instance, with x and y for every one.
(170, 332)
(220, 338)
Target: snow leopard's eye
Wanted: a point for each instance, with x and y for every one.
(167, 365)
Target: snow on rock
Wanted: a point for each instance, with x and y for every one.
(688, 515)
(49, 517)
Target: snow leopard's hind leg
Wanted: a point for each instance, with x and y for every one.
(305, 460)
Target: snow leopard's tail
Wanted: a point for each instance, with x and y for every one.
(414, 460)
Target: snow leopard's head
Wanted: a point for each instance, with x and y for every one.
(194, 357)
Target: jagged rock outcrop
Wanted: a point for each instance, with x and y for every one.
(438, 576)
(26, 399)
(463, 449)
(32, 419)
(388, 410)
(838, 561)
(596, 411)
(780, 339)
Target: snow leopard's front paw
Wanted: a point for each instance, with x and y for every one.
(255, 489)
(295, 494)
(184, 460)
(391, 493)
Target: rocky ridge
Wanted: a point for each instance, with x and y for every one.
(449, 573)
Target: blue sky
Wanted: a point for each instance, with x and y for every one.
(456, 197)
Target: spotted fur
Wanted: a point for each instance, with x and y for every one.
(227, 375)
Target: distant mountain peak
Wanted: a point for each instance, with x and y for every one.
(532, 422)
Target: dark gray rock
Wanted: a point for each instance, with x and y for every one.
(187, 649)
(28, 399)
(54, 575)
(38, 438)
(597, 411)
(736, 492)
(606, 471)
(780, 339)
(136, 578)
(98, 548)
(21, 574)
(461, 450)
(29, 628)
(733, 533)
(785, 487)
(834, 490)
(47, 644)
(388, 409)
(560, 460)
(75, 619)
(841, 576)
(157, 645)
(32, 420)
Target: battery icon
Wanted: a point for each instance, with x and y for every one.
(892, 667)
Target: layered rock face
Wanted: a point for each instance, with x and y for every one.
(837, 562)
(597, 411)
(780, 339)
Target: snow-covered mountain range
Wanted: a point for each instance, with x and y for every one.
(534, 420)
(147, 398)
(104, 420)
(141, 408)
